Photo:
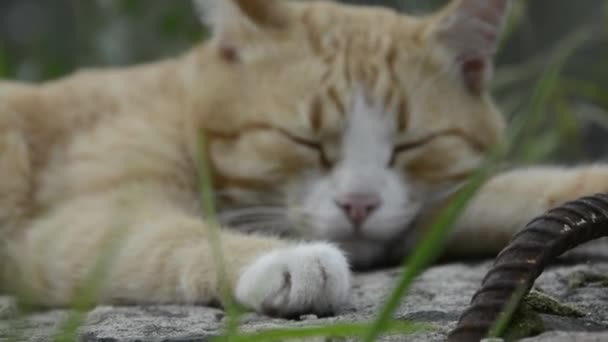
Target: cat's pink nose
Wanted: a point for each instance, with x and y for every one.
(358, 207)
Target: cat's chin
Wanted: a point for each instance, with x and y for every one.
(365, 254)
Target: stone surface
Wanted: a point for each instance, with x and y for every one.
(437, 298)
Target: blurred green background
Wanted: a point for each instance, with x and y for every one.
(42, 39)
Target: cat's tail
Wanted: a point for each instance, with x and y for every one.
(524, 259)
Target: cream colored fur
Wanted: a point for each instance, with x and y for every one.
(113, 153)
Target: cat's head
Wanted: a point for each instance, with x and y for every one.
(350, 118)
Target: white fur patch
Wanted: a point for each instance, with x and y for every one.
(362, 170)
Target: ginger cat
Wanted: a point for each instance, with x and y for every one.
(329, 129)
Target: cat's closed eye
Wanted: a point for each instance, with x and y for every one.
(417, 144)
(407, 147)
(311, 144)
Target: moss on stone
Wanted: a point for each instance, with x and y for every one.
(543, 303)
(527, 320)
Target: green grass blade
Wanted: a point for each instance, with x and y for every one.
(540, 98)
(209, 209)
(333, 330)
(429, 247)
(505, 316)
(544, 89)
(87, 296)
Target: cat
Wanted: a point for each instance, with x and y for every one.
(327, 129)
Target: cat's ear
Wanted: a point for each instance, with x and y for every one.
(235, 24)
(222, 15)
(471, 31)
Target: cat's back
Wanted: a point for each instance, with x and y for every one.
(39, 122)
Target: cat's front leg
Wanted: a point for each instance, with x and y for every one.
(287, 282)
(508, 201)
(164, 255)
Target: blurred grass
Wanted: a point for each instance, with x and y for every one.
(521, 139)
(543, 95)
(336, 331)
(212, 224)
(6, 66)
(87, 295)
(429, 248)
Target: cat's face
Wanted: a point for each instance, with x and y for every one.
(341, 123)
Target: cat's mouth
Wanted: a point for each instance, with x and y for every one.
(275, 220)
(366, 251)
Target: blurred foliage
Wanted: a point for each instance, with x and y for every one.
(69, 34)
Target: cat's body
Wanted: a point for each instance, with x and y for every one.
(323, 121)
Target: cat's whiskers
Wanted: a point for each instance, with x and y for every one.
(265, 219)
(251, 212)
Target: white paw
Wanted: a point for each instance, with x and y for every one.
(306, 279)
